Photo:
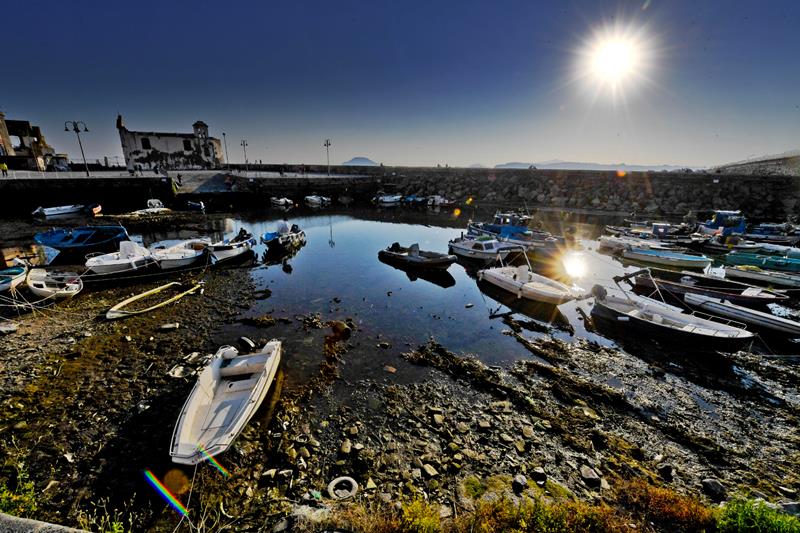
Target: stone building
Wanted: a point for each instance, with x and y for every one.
(22, 145)
(196, 150)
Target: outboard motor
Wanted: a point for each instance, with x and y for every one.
(599, 292)
(246, 344)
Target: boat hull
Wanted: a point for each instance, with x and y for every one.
(761, 320)
(442, 262)
(781, 279)
(674, 260)
(539, 289)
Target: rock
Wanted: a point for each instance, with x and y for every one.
(527, 432)
(484, 424)
(666, 471)
(519, 445)
(51, 485)
(461, 427)
(370, 485)
(445, 511)
(346, 447)
(786, 491)
(519, 483)
(430, 470)
(715, 490)
(389, 369)
(384, 345)
(70, 457)
(127, 338)
(505, 437)
(353, 430)
(385, 497)
(438, 419)
(171, 325)
(281, 526)
(313, 515)
(539, 475)
(590, 477)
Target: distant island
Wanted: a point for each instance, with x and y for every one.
(360, 162)
(556, 164)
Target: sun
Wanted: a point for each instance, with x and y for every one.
(616, 59)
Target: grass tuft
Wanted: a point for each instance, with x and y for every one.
(665, 508)
(19, 500)
(741, 514)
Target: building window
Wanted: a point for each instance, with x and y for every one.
(187, 145)
(146, 143)
(205, 150)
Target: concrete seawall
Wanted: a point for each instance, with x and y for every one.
(18, 197)
(760, 197)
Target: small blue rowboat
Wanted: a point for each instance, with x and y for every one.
(767, 262)
(84, 239)
(666, 258)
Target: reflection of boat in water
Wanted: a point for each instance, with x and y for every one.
(442, 278)
(540, 311)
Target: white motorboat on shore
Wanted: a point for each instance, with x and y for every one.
(317, 201)
(179, 255)
(757, 275)
(131, 256)
(56, 285)
(227, 394)
(66, 210)
(281, 202)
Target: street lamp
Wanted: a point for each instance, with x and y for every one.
(76, 128)
(227, 161)
(327, 146)
(244, 147)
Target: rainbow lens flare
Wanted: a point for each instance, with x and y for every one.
(165, 493)
(213, 461)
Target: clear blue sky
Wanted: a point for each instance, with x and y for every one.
(450, 81)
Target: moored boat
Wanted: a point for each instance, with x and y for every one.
(63, 210)
(767, 262)
(131, 256)
(230, 248)
(317, 201)
(526, 284)
(281, 202)
(770, 278)
(413, 257)
(680, 283)
(275, 239)
(56, 285)
(227, 394)
(387, 199)
(759, 319)
(724, 223)
(646, 318)
(182, 254)
(440, 201)
(84, 239)
(666, 258)
(719, 244)
(483, 248)
(618, 243)
(10, 278)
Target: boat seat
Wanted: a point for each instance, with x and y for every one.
(241, 365)
(635, 313)
(522, 273)
(241, 385)
(658, 319)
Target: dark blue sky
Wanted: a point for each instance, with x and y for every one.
(455, 82)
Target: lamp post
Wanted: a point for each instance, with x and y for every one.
(327, 146)
(244, 147)
(225, 140)
(76, 128)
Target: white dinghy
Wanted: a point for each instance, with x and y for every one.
(227, 249)
(131, 256)
(56, 285)
(179, 255)
(760, 319)
(227, 394)
(484, 248)
(526, 284)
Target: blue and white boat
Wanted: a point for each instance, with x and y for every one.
(11, 277)
(84, 239)
(513, 228)
(774, 233)
(666, 258)
(724, 223)
(413, 199)
(275, 239)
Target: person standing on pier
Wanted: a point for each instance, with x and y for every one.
(4, 169)
(283, 225)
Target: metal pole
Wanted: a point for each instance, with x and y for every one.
(85, 165)
(244, 147)
(227, 161)
(328, 154)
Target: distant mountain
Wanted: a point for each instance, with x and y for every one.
(476, 165)
(557, 164)
(360, 162)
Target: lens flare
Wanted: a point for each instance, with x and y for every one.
(621, 173)
(165, 493)
(470, 200)
(456, 212)
(213, 461)
(574, 265)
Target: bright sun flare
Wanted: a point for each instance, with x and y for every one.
(616, 59)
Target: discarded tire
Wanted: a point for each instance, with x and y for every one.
(342, 488)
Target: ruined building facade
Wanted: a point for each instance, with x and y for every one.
(196, 150)
(23, 147)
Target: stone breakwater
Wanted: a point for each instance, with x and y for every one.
(650, 193)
